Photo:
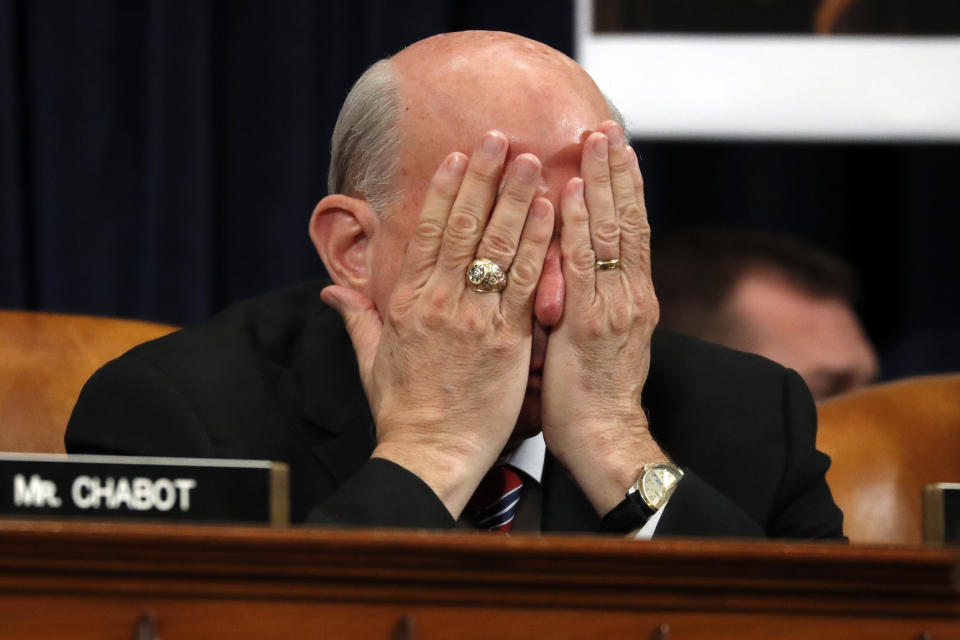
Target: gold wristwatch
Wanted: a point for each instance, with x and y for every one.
(656, 483)
(651, 490)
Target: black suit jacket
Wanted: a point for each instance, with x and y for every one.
(276, 378)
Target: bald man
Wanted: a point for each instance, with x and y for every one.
(491, 302)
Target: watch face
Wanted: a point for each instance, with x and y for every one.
(657, 485)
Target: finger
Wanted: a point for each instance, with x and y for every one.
(500, 238)
(362, 321)
(579, 259)
(595, 169)
(621, 173)
(635, 228)
(517, 299)
(421, 256)
(470, 211)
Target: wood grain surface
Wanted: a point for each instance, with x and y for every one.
(92, 579)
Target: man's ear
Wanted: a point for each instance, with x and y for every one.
(341, 228)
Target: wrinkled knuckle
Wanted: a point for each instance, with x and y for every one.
(620, 163)
(524, 274)
(601, 178)
(607, 231)
(429, 230)
(462, 225)
(630, 215)
(497, 244)
(486, 172)
(516, 198)
(579, 216)
(583, 257)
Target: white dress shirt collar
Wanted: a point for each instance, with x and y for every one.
(528, 457)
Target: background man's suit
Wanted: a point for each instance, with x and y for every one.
(276, 378)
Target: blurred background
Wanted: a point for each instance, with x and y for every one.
(159, 160)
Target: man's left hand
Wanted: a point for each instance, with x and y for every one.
(598, 355)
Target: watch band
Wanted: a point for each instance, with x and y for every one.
(631, 514)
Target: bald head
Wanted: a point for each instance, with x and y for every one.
(473, 79)
(456, 86)
(439, 94)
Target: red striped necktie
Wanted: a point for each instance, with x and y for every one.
(494, 503)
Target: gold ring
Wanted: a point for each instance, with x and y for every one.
(486, 276)
(607, 265)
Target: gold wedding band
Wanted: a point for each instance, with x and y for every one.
(607, 265)
(486, 276)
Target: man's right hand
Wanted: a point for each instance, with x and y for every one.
(445, 367)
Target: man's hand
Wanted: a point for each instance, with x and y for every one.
(598, 355)
(445, 367)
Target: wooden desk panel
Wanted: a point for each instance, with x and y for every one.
(80, 580)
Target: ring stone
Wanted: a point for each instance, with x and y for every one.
(486, 276)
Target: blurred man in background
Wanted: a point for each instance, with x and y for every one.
(769, 295)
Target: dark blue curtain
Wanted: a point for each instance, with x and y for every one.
(160, 159)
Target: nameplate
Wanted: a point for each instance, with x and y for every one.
(145, 488)
(941, 513)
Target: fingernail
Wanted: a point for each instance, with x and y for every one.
(493, 143)
(615, 136)
(527, 168)
(600, 148)
(456, 163)
(580, 187)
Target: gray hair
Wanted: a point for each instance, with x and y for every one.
(364, 147)
(617, 117)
